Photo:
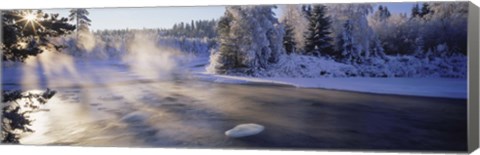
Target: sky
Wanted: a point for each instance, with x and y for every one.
(399, 7)
(165, 17)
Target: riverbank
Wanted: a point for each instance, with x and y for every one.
(428, 87)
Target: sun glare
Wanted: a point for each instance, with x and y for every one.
(30, 17)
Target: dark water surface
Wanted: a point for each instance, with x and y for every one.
(196, 114)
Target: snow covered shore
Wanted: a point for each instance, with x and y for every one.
(429, 87)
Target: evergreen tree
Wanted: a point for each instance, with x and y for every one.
(288, 39)
(380, 25)
(188, 28)
(84, 39)
(382, 13)
(295, 20)
(27, 33)
(425, 10)
(228, 57)
(317, 40)
(415, 11)
(307, 10)
(81, 18)
(192, 25)
(196, 29)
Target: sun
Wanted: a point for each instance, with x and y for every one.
(30, 17)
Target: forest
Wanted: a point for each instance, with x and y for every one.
(343, 40)
(331, 40)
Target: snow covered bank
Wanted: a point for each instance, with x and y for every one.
(429, 87)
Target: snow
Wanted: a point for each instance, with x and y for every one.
(335, 79)
(244, 130)
(431, 87)
(428, 87)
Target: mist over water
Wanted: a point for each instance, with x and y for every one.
(143, 58)
(87, 41)
(78, 105)
(50, 64)
(147, 59)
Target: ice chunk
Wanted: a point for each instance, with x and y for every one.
(244, 130)
(134, 117)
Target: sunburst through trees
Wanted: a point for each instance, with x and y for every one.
(30, 19)
(28, 33)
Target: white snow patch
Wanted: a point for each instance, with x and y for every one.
(244, 130)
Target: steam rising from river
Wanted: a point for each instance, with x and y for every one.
(143, 58)
(76, 81)
(86, 41)
(49, 66)
(147, 59)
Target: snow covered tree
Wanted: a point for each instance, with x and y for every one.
(449, 18)
(318, 39)
(28, 33)
(250, 40)
(434, 24)
(399, 34)
(296, 19)
(226, 58)
(377, 51)
(419, 47)
(346, 42)
(393, 32)
(289, 40)
(362, 33)
(418, 12)
(194, 29)
(378, 22)
(381, 14)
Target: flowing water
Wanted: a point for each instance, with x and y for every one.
(188, 113)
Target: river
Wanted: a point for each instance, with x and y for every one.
(188, 113)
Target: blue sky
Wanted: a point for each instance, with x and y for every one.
(165, 17)
(399, 7)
